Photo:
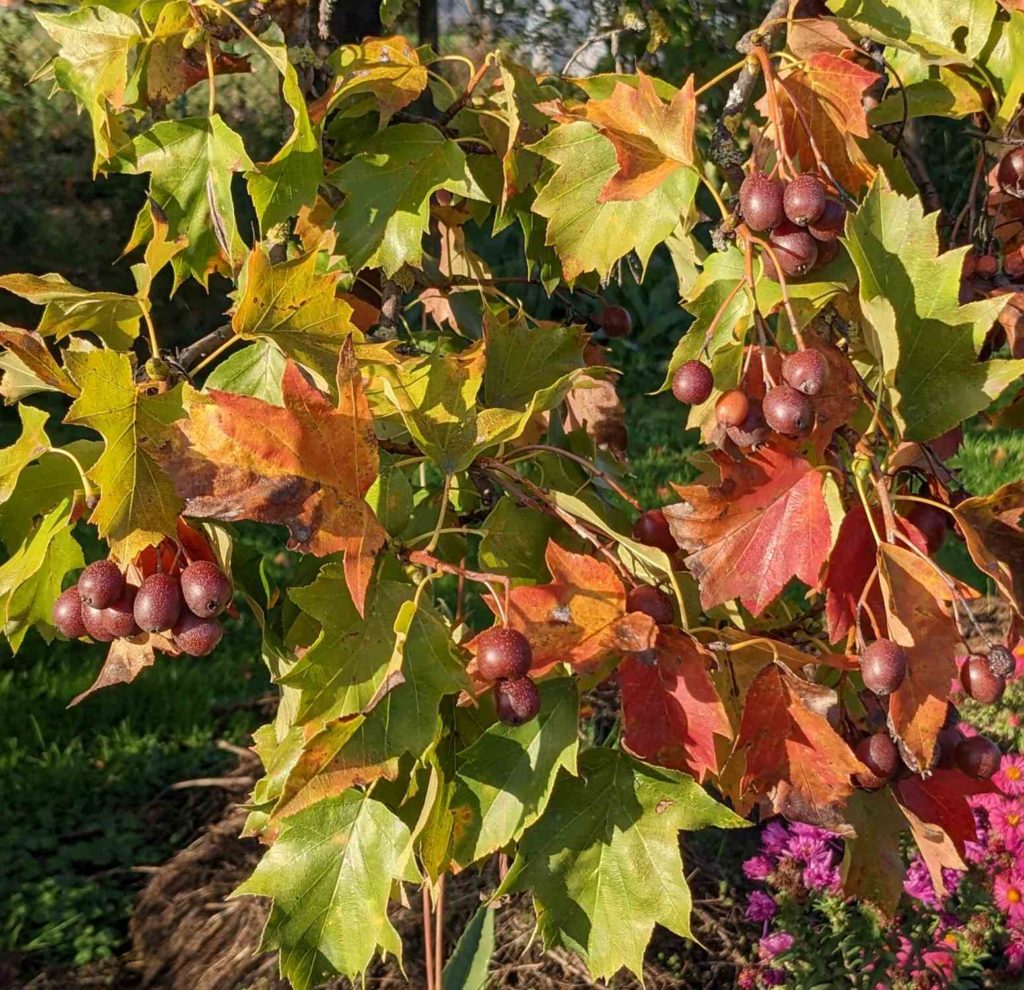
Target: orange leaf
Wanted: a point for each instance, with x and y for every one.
(580, 618)
(126, 659)
(307, 465)
(822, 101)
(671, 711)
(918, 613)
(652, 139)
(793, 754)
(765, 523)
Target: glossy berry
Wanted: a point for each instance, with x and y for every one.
(796, 250)
(615, 321)
(979, 682)
(692, 383)
(883, 665)
(100, 584)
(828, 251)
(119, 618)
(949, 740)
(205, 588)
(881, 757)
(158, 603)
(978, 757)
(516, 701)
(1001, 661)
(805, 200)
(752, 431)
(503, 654)
(932, 523)
(732, 408)
(652, 530)
(830, 225)
(1010, 174)
(787, 411)
(653, 602)
(806, 371)
(95, 624)
(198, 637)
(761, 202)
(67, 614)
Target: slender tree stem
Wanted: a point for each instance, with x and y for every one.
(216, 353)
(86, 487)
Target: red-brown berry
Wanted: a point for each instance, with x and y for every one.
(932, 522)
(979, 682)
(503, 654)
(615, 321)
(830, 225)
(653, 602)
(732, 408)
(119, 618)
(516, 701)
(652, 530)
(828, 251)
(67, 614)
(804, 199)
(788, 411)
(693, 383)
(761, 202)
(978, 757)
(795, 249)
(883, 666)
(100, 584)
(949, 739)
(94, 620)
(198, 637)
(1010, 174)
(205, 588)
(806, 371)
(158, 603)
(881, 757)
(752, 431)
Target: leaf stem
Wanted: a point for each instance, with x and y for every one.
(87, 490)
(716, 196)
(436, 533)
(584, 463)
(862, 495)
(154, 346)
(724, 74)
(216, 353)
(212, 105)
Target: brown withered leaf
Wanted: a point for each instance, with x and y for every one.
(126, 659)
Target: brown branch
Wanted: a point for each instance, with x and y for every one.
(189, 357)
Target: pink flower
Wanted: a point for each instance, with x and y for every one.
(1009, 895)
(1015, 954)
(773, 978)
(760, 907)
(775, 944)
(918, 884)
(821, 874)
(774, 838)
(1007, 819)
(1010, 778)
(747, 980)
(758, 868)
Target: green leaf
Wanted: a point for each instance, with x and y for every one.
(31, 578)
(603, 863)
(330, 873)
(113, 317)
(590, 235)
(388, 186)
(516, 540)
(362, 748)
(191, 162)
(926, 342)
(297, 308)
(254, 370)
(506, 777)
(390, 496)
(32, 442)
(467, 969)
(137, 506)
(930, 90)
(92, 63)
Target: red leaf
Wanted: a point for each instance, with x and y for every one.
(580, 618)
(670, 709)
(794, 756)
(765, 523)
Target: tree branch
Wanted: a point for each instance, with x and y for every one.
(189, 357)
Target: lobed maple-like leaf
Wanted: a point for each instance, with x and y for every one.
(307, 464)
(32, 442)
(671, 712)
(579, 618)
(603, 862)
(793, 754)
(995, 538)
(918, 613)
(652, 139)
(873, 868)
(126, 659)
(765, 522)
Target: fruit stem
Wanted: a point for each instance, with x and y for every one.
(436, 533)
(424, 559)
(862, 605)
(709, 333)
(215, 353)
(783, 287)
(584, 463)
(925, 501)
(86, 487)
(212, 105)
(858, 484)
(773, 108)
(154, 347)
(724, 74)
(716, 196)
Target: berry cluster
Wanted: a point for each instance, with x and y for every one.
(103, 606)
(802, 221)
(883, 668)
(504, 656)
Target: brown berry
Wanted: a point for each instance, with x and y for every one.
(979, 682)
(752, 431)
(804, 199)
(796, 250)
(503, 654)
(615, 321)
(205, 588)
(100, 584)
(693, 383)
(1001, 661)
(119, 618)
(652, 530)
(949, 739)
(732, 408)
(198, 637)
(881, 757)
(828, 251)
(830, 225)
(787, 411)
(1010, 173)
(95, 624)
(978, 757)
(67, 614)
(516, 701)
(761, 202)
(806, 371)
(158, 603)
(932, 523)
(653, 602)
(883, 666)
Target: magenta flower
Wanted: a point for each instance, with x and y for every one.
(774, 838)
(775, 944)
(1009, 894)
(1007, 819)
(821, 874)
(1015, 954)
(760, 907)
(773, 978)
(1010, 778)
(758, 868)
(806, 848)
(918, 884)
